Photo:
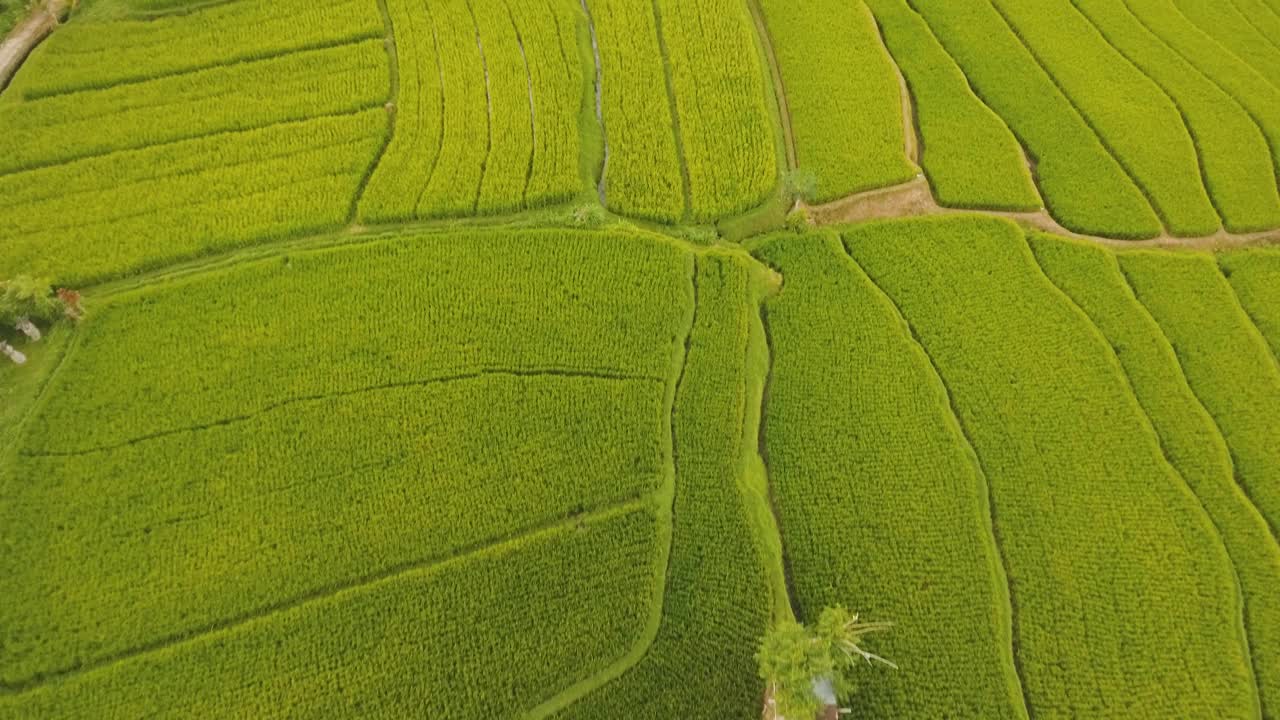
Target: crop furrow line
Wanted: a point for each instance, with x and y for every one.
(329, 44)
(165, 175)
(439, 380)
(187, 138)
(913, 141)
(1238, 100)
(1178, 353)
(1182, 113)
(444, 117)
(488, 102)
(675, 110)
(1253, 24)
(1166, 458)
(985, 491)
(358, 584)
(779, 87)
(393, 94)
(1032, 162)
(1106, 145)
(666, 499)
(533, 111)
(1253, 322)
(599, 86)
(762, 447)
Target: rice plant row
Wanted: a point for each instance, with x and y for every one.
(1237, 33)
(62, 128)
(718, 594)
(1114, 564)
(642, 172)
(843, 95)
(117, 214)
(1246, 86)
(1253, 274)
(288, 417)
(487, 115)
(971, 158)
(1135, 120)
(512, 624)
(726, 129)
(1084, 188)
(882, 504)
(1091, 277)
(1226, 360)
(1238, 171)
(92, 54)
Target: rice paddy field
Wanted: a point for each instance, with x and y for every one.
(534, 358)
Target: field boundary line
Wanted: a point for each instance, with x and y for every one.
(985, 492)
(1218, 425)
(665, 497)
(675, 109)
(328, 44)
(532, 372)
(1261, 33)
(66, 345)
(1182, 113)
(599, 91)
(1228, 93)
(779, 86)
(1253, 322)
(392, 107)
(488, 106)
(363, 583)
(187, 138)
(912, 140)
(1149, 427)
(1106, 146)
(435, 158)
(533, 111)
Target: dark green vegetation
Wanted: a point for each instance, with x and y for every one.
(447, 359)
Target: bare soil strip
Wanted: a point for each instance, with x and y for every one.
(915, 199)
(26, 36)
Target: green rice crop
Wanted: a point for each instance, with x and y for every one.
(1225, 358)
(1113, 563)
(1136, 121)
(843, 95)
(397, 182)
(726, 128)
(1237, 164)
(88, 54)
(1248, 87)
(511, 123)
(1091, 277)
(331, 81)
(1255, 276)
(287, 427)
(642, 171)
(882, 504)
(1084, 188)
(1224, 22)
(549, 37)
(718, 596)
(454, 182)
(119, 213)
(510, 624)
(970, 156)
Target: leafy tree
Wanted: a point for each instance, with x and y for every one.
(800, 184)
(25, 301)
(799, 662)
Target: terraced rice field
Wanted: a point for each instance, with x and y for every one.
(534, 358)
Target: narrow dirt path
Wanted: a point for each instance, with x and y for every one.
(779, 88)
(915, 199)
(26, 36)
